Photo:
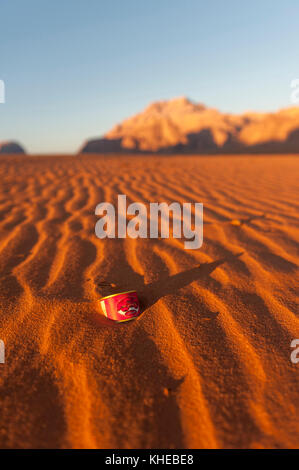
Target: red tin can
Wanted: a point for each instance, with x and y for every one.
(121, 307)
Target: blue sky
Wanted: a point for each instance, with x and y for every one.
(74, 68)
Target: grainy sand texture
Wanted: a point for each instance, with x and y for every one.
(207, 364)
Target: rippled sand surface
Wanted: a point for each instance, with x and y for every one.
(207, 364)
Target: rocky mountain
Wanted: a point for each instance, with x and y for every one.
(182, 126)
(11, 148)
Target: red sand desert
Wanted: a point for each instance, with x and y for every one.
(207, 365)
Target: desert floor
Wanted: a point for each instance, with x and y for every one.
(207, 364)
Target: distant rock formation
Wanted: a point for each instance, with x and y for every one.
(181, 126)
(11, 148)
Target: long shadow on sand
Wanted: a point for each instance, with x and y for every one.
(168, 285)
(150, 294)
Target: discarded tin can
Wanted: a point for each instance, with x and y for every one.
(121, 307)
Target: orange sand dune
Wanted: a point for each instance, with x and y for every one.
(207, 365)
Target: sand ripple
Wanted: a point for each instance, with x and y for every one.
(207, 364)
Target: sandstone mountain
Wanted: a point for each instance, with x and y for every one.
(182, 126)
(11, 148)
